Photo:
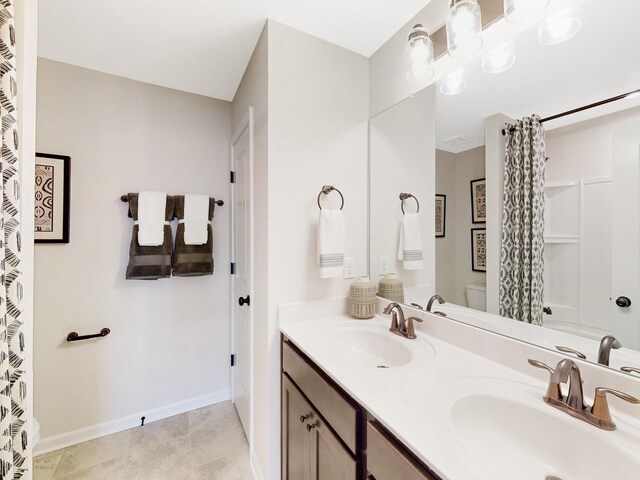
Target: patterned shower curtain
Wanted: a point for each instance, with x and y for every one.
(522, 251)
(14, 463)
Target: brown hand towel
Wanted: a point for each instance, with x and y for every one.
(192, 260)
(149, 263)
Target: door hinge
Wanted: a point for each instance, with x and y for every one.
(233, 268)
(233, 177)
(233, 360)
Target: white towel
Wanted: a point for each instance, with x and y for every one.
(151, 222)
(410, 245)
(331, 242)
(196, 219)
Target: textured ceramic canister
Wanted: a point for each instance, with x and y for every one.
(362, 298)
(391, 288)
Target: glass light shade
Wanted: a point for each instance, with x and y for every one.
(453, 84)
(499, 59)
(558, 28)
(464, 27)
(420, 53)
(516, 11)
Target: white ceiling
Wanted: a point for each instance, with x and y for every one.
(202, 46)
(598, 63)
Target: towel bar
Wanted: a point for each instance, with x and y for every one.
(404, 196)
(327, 189)
(74, 337)
(125, 199)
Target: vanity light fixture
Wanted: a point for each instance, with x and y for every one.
(516, 11)
(420, 49)
(558, 28)
(464, 27)
(499, 59)
(454, 83)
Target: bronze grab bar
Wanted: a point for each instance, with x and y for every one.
(404, 196)
(125, 199)
(74, 337)
(327, 189)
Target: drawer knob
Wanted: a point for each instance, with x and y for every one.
(310, 427)
(304, 417)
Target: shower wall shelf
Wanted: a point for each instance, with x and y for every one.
(562, 184)
(561, 239)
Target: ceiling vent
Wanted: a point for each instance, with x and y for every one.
(456, 141)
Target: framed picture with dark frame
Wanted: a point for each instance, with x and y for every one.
(478, 201)
(441, 215)
(52, 196)
(479, 249)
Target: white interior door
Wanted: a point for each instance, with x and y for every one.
(242, 258)
(626, 235)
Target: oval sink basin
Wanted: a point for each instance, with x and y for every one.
(517, 437)
(366, 347)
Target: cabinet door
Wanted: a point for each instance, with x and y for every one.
(296, 439)
(386, 459)
(330, 460)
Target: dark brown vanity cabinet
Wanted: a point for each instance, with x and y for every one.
(310, 450)
(387, 459)
(320, 425)
(326, 435)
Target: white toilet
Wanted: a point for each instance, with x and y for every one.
(477, 296)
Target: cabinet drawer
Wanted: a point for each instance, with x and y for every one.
(338, 411)
(387, 461)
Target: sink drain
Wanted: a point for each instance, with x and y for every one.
(552, 477)
(384, 366)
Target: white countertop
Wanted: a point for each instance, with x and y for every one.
(411, 400)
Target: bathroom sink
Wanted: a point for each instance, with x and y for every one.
(507, 428)
(368, 347)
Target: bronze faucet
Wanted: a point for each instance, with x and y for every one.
(573, 403)
(399, 325)
(606, 344)
(433, 299)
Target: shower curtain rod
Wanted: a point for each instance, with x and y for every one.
(583, 108)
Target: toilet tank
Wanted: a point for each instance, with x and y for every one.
(477, 296)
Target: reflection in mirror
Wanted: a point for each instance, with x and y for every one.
(539, 223)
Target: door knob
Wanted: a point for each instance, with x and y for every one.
(242, 301)
(623, 302)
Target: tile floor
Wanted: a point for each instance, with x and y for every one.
(204, 444)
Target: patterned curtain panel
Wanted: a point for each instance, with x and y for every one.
(14, 463)
(522, 254)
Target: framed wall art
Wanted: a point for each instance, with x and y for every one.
(441, 215)
(479, 249)
(478, 201)
(52, 195)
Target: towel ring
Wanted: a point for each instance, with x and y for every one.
(327, 189)
(404, 196)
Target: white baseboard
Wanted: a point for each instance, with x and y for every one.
(255, 466)
(63, 440)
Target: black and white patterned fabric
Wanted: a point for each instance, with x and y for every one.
(522, 250)
(14, 461)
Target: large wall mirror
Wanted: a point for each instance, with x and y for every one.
(506, 156)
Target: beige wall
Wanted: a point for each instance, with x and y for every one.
(445, 284)
(169, 342)
(402, 159)
(455, 172)
(311, 129)
(317, 124)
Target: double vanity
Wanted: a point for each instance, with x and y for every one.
(455, 402)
